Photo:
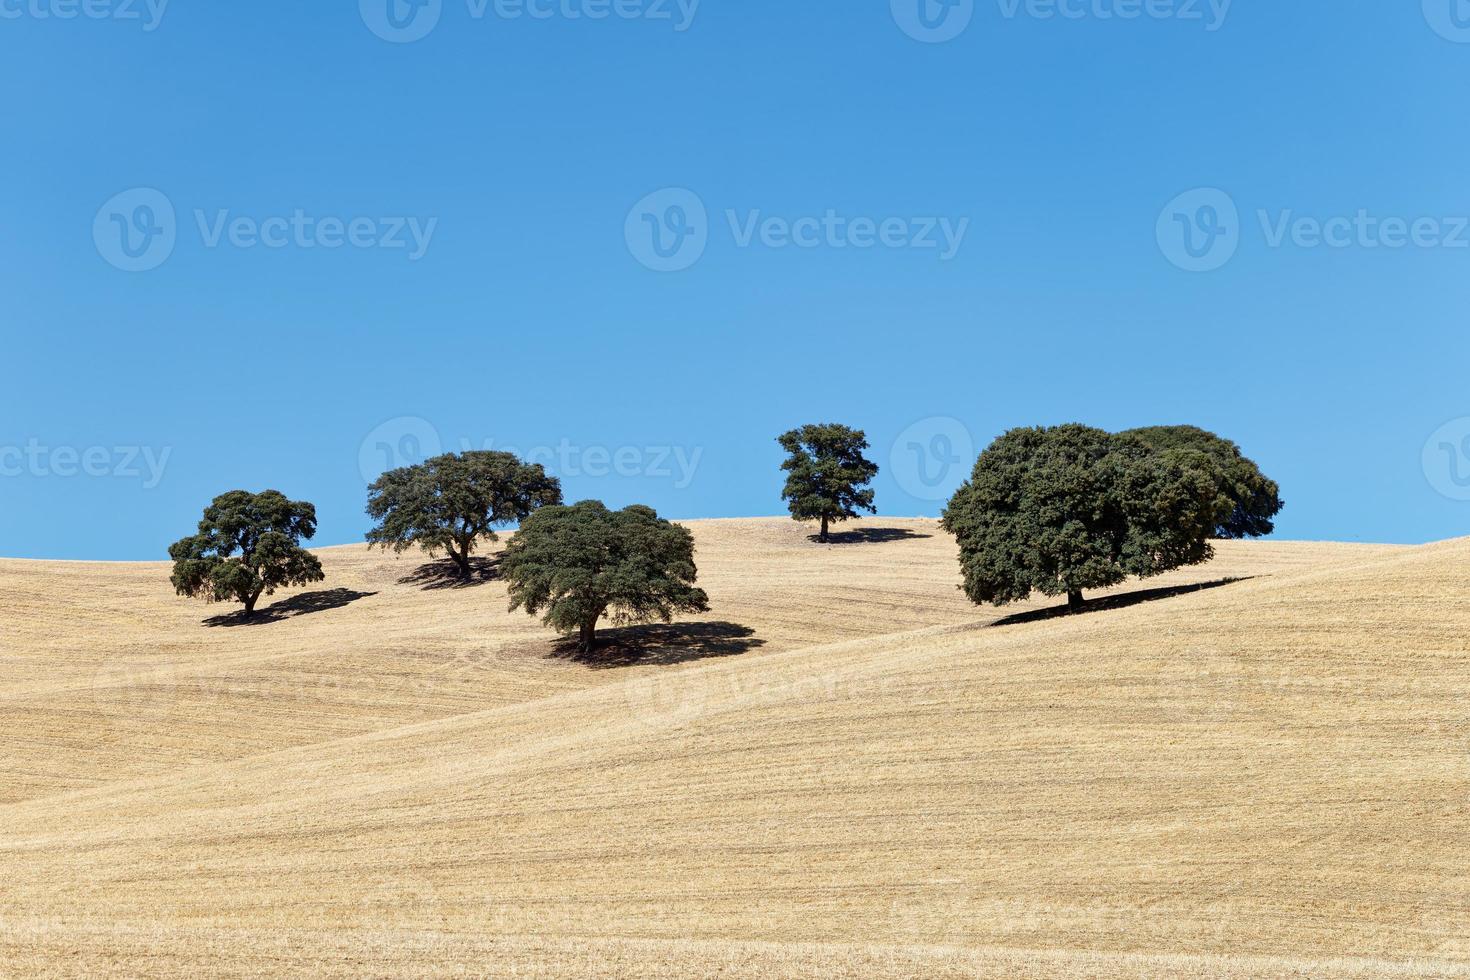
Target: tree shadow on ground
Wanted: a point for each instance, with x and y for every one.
(445, 574)
(661, 644)
(299, 605)
(869, 535)
(1106, 603)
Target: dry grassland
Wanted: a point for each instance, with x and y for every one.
(845, 769)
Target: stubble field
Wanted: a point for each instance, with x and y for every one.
(844, 769)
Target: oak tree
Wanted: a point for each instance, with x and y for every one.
(248, 545)
(827, 475)
(1256, 498)
(455, 501)
(1070, 508)
(579, 563)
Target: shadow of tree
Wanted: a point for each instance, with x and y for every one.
(661, 644)
(1123, 601)
(299, 605)
(445, 574)
(869, 535)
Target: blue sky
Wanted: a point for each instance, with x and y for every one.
(346, 246)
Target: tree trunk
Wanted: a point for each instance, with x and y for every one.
(1074, 600)
(823, 536)
(588, 638)
(461, 558)
(250, 602)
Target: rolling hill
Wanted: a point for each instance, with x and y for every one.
(845, 769)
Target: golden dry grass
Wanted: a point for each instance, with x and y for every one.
(846, 770)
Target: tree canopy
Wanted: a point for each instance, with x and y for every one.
(581, 562)
(248, 545)
(1256, 499)
(454, 501)
(1070, 508)
(827, 475)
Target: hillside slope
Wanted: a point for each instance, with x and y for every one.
(1264, 779)
(105, 674)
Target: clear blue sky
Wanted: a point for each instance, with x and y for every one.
(529, 312)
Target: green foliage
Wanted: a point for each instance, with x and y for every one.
(248, 545)
(1071, 508)
(578, 563)
(1256, 499)
(453, 501)
(827, 474)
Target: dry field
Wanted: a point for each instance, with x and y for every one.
(844, 770)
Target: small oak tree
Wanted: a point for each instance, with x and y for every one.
(1256, 499)
(1071, 508)
(581, 562)
(827, 474)
(454, 501)
(248, 545)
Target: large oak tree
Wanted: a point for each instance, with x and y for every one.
(1070, 508)
(453, 502)
(579, 563)
(1256, 498)
(827, 475)
(248, 545)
